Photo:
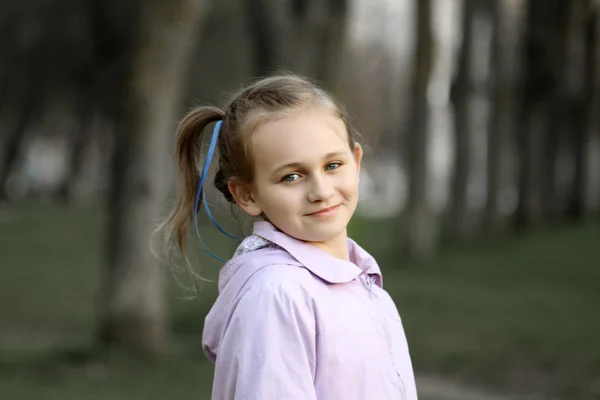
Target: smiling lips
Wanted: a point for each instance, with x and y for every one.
(325, 212)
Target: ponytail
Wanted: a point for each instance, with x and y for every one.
(188, 145)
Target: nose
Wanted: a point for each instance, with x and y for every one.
(320, 190)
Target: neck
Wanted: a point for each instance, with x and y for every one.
(337, 246)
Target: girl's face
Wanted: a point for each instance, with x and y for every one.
(306, 175)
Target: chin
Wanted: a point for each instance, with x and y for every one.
(323, 233)
(309, 229)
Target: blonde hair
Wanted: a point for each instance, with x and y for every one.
(261, 101)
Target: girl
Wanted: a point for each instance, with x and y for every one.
(301, 312)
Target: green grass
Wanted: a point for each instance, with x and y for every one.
(516, 313)
(60, 375)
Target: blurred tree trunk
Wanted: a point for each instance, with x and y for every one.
(107, 48)
(537, 83)
(500, 92)
(583, 47)
(84, 115)
(133, 311)
(420, 232)
(461, 95)
(277, 34)
(264, 36)
(4, 86)
(593, 63)
(331, 45)
(557, 43)
(28, 111)
(305, 36)
(309, 20)
(318, 30)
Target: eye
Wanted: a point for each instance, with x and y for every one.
(332, 166)
(290, 178)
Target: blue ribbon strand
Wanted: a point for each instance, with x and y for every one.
(201, 192)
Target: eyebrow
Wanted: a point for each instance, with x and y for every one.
(299, 164)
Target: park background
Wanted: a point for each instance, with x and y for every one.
(480, 191)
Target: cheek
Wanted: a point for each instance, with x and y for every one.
(279, 196)
(349, 183)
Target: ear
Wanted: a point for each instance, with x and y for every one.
(242, 194)
(358, 153)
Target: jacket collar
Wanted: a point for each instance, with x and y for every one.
(318, 261)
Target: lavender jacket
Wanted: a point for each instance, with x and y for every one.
(292, 322)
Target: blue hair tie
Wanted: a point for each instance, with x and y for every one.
(200, 191)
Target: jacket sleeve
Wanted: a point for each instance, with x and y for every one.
(268, 348)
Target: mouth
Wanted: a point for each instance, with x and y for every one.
(325, 212)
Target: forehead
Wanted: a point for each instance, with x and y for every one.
(301, 136)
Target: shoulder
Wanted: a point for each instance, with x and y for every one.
(288, 280)
(282, 296)
(275, 275)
